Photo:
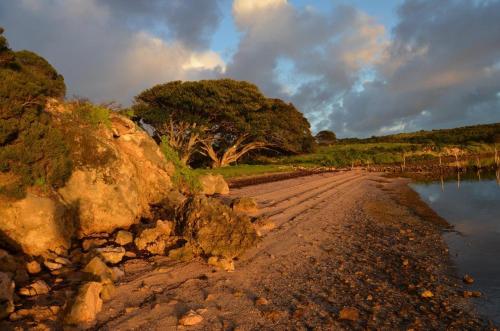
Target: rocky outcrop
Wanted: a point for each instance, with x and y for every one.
(213, 184)
(213, 227)
(118, 171)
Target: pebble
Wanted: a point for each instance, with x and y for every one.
(33, 267)
(37, 288)
(427, 294)
(468, 279)
(261, 301)
(349, 314)
(191, 318)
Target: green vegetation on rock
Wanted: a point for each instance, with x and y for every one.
(31, 150)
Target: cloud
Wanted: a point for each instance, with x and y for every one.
(326, 52)
(109, 49)
(442, 69)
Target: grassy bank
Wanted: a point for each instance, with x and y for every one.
(361, 154)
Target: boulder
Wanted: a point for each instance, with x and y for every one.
(87, 304)
(119, 172)
(99, 271)
(36, 224)
(190, 319)
(124, 237)
(111, 254)
(213, 227)
(213, 184)
(39, 287)
(155, 240)
(6, 295)
(33, 267)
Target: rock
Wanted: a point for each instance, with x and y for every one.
(111, 254)
(426, 294)
(33, 267)
(51, 265)
(130, 254)
(245, 205)
(6, 295)
(116, 177)
(99, 271)
(124, 237)
(37, 313)
(155, 239)
(222, 263)
(36, 224)
(87, 305)
(213, 184)
(261, 301)
(39, 287)
(349, 314)
(472, 294)
(191, 318)
(88, 244)
(468, 279)
(129, 310)
(214, 228)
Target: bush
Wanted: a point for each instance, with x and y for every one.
(183, 176)
(31, 149)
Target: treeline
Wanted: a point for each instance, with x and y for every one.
(483, 133)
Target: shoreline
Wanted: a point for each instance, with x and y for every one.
(356, 240)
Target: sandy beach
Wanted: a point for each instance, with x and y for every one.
(348, 250)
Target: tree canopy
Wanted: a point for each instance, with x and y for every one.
(228, 110)
(325, 137)
(31, 150)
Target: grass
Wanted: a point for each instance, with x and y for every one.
(342, 155)
(246, 170)
(183, 176)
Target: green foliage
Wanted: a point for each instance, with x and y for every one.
(30, 147)
(484, 133)
(183, 176)
(326, 137)
(93, 114)
(229, 109)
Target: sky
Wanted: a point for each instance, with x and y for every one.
(358, 68)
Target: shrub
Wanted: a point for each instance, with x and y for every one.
(31, 149)
(183, 176)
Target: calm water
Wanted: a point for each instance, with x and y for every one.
(473, 208)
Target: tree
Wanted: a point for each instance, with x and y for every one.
(31, 150)
(231, 118)
(326, 137)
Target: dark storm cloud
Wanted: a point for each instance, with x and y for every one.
(189, 21)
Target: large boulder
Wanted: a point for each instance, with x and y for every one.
(213, 184)
(213, 227)
(119, 172)
(36, 224)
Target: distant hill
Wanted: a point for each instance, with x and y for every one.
(483, 133)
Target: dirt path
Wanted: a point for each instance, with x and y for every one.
(341, 240)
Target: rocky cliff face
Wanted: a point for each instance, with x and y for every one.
(118, 171)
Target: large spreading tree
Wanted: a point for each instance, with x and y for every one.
(223, 119)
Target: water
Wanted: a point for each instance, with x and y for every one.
(472, 206)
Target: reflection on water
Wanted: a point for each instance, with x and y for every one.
(472, 205)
